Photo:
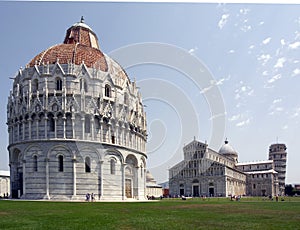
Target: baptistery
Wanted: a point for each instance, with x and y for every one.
(76, 125)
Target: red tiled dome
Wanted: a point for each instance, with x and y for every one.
(80, 45)
(71, 53)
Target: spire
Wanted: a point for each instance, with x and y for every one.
(226, 141)
(82, 19)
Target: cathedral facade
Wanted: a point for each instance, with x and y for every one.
(205, 172)
(76, 125)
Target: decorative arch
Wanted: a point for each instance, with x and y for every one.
(143, 161)
(132, 160)
(118, 155)
(90, 151)
(16, 155)
(32, 150)
(59, 149)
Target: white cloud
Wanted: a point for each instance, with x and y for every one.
(238, 105)
(234, 117)
(294, 45)
(231, 51)
(215, 83)
(264, 58)
(250, 48)
(240, 119)
(275, 78)
(296, 72)
(242, 91)
(244, 11)
(296, 113)
(246, 28)
(243, 123)
(193, 50)
(250, 93)
(297, 34)
(282, 42)
(266, 41)
(261, 23)
(217, 115)
(237, 96)
(277, 100)
(223, 21)
(204, 90)
(220, 82)
(267, 86)
(285, 127)
(265, 73)
(280, 62)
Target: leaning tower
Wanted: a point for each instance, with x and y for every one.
(277, 153)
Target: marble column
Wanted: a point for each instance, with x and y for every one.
(47, 196)
(101, 179)
(74, 175)
(24, 178)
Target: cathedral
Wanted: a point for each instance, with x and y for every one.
(76, 125)
(205, 172)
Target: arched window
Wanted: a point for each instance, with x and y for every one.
(35, 163)
(35, 85)
(107, 92)
(51, 123)
(58, 84)
(112, 166)
(99, 102)
(87, 165)
(87, 124)
(60, 163)
(126, 99)
(113, 139)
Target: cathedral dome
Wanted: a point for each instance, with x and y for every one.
(228, 151)
(149, 177)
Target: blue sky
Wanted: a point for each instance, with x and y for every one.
(251, 52)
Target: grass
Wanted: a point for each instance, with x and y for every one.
(214, 213)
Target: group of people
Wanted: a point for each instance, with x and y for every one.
(5, 196)
(90, 197)
(235, 197)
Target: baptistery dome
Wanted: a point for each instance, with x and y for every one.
(76, 124)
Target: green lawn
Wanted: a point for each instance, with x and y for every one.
(214, 213)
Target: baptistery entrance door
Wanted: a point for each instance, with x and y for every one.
(128, 188)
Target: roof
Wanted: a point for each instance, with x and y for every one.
(261, 172)
(71, 53)
(79, 46)
(255, 163)
(4, 173)
(227, 149)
